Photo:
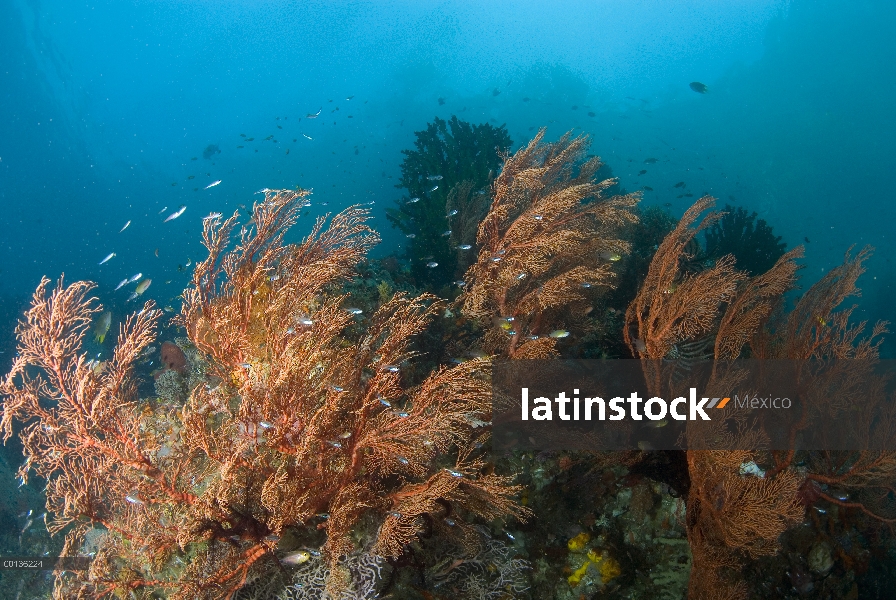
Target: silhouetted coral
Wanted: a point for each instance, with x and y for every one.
(750, 240)
(446, 154)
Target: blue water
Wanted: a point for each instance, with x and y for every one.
(104, 104)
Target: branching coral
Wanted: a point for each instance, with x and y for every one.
(546, 245)
(293, 430)
(731, 515)
(749, 240)
(447, 154)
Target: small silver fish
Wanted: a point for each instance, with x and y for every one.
(136, 277)
(413, 200)
(446, 233)
(315, 115)
(464, 247)
(432, 189)
(211, 216)
(176, 214)
(411, 236)
(126, 225)
(457, 474)
(121, 284)
(163, 209)
(353, 311)
(432, 264)
(460, 283)
(213, 184)
(451, 213)
(435, 178)
(108, 258)
(308, 136)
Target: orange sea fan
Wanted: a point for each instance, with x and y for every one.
(547, 242)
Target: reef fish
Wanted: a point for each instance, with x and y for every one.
(102, 326)
(210, 151)
(212, 184)
(610, 256)
(142, 287)
(176, 214)
(108, 258)
(296, 558)
(698, 87)
(126, 225)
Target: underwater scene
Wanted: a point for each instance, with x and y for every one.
(278, 278)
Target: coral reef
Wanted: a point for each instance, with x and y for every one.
(447, 154)
(323, 429)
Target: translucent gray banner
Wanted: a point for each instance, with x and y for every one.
(613, 405)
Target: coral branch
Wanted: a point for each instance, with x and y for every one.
(546, 245)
